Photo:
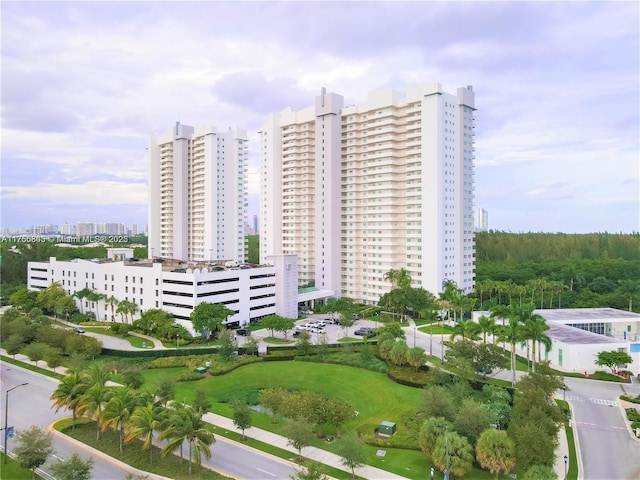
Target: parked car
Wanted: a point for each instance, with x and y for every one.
(321, 323)
(297, 333)
(318, 330)
(312, 324)
(356, 316)
(78, 330)
(245, 332)
(364, 331)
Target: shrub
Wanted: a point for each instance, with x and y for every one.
(630, 399)
(632, 415)
(408, 375)
(188, 376)
(350, 359)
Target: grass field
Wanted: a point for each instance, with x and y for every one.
(375, 397)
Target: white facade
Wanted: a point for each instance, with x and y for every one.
(482, 223)
(579, 334)
(174, 287)
(357, 191)
(84, 229)
(198, 194)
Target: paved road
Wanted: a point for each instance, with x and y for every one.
(608, 451)
(30, 405)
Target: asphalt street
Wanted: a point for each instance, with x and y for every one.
(30, 405)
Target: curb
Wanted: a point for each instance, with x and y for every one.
(626, 421)
(576, 441)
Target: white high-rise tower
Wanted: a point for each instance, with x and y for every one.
(358, 191)
(198, 194)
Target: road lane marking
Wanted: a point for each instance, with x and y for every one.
(601, 401)
(264, 471)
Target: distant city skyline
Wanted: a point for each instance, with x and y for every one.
(85, 83)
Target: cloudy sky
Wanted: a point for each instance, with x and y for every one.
(85, 83)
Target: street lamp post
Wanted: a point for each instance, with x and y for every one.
(177, 340)
(566, 459)
(6, 418)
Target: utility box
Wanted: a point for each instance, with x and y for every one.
(387, 428)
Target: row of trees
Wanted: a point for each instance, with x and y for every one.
(548, 293)
(136, 414)
(32, 334)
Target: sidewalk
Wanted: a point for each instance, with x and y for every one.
(279, 441)
(314, 453)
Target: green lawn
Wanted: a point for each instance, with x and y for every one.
(373, 395)
(437, 329)
(13, 471)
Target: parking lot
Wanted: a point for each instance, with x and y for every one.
(329, 333)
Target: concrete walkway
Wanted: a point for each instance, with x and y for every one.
(314, 453)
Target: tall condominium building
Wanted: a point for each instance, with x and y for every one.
(198, 194)
(85, 229)
(482, 220)
(360, 190)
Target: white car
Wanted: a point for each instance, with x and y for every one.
(314, 323)
(317, 330)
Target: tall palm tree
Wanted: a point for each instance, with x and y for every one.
(69, 393)
(629, 288)
(96, 394)
(487, 326)
(143, 423)
(112, 302)
(533, 328)
(510, 332)
(118, 410)
(401, 278)
(186, 425)
(81, 295)
(466, 329)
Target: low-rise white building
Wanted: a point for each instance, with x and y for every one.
(579, 334)
(175, 286)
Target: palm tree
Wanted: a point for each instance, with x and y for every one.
(510, 332)
(112, 302)
(401, 278)
(126, 307)
(118, 410)
(533, 328)
(187, 425)
(629, 288)
(144, 421)
(466, 329)
(81, 295)
(487, 326)
(96, 394)
(519, 290)
(69, 393)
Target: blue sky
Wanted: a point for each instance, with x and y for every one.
(83, 84)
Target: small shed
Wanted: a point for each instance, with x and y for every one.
(387, 428)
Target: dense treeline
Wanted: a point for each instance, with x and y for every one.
(590, 270)
(16, 255)
(516, 248)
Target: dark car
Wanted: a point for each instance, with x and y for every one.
(243, 331)
(78, 330)
(364, 331)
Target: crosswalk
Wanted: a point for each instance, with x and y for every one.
(595, 401)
